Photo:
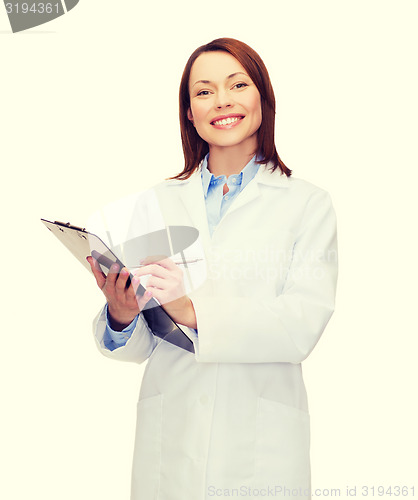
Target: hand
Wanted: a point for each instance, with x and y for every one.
(166, 284)
(123, 303)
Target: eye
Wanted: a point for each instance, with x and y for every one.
(203, 92)
(240, 85)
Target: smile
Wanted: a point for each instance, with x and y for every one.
(225, 122)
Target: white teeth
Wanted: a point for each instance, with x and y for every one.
(227, 121)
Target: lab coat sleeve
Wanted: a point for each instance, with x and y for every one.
(138, 347)
(113, 339)
(284, 328)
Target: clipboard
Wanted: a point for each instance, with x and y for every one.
(82, 243)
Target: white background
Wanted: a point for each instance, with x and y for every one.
(89, 114)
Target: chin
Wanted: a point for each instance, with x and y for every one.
(231, 142)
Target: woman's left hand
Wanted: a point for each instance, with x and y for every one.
(166, 284)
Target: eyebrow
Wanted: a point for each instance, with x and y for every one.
(227, 78)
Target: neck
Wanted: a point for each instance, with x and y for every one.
(228, 161)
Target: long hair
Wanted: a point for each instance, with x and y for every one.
(194, 147)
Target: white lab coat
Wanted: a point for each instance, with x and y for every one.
(233, 417)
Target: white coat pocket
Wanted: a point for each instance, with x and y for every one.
(147, 454)
(282, 446)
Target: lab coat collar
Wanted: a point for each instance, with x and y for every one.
(193, 197)
(276, 178)
(263, 176)
(243, 178)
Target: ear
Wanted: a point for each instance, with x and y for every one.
(189, 115)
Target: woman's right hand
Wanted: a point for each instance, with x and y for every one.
(123, 303)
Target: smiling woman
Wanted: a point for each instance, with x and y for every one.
(232, 416)
(227, 69)
(225, 110)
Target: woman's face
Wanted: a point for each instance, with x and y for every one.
(225, 105)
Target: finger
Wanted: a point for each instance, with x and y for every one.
(112, 276)
(160, 295)
(165, 296)
(168, 263)
(97, 272)
(155, 282)
(167, 268)
(154, 270)
(120, 285)
(152, 259)
(133, 295)
(144, 299)
(130, 295)
(136, 282)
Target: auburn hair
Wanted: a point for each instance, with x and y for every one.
(194, 147)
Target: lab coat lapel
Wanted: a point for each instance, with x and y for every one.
(252, 190)
(194, 202)
(249, 193)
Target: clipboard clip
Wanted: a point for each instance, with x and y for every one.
(70, 226)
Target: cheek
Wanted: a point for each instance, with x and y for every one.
(200, 120)
(199, 112)
(255, 105)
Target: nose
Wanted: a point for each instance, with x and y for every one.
(223, 100)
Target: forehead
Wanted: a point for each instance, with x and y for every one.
(214, 66)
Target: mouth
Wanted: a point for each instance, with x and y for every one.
(227, 121)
